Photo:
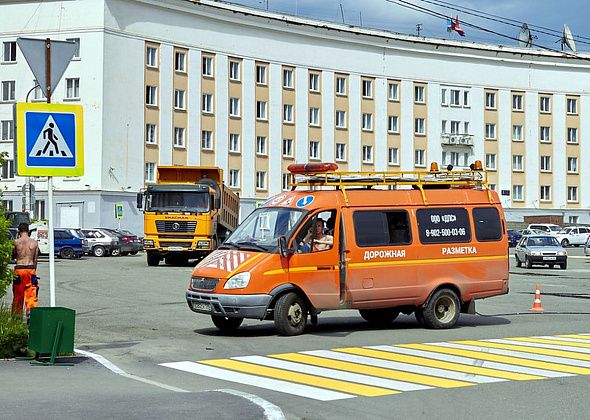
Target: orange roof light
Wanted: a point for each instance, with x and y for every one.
(303, 168)
(434, 167)
(477, 166)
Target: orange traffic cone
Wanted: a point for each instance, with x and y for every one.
(537, 307)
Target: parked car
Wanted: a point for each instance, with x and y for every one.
(548, 228)
(513, 237)
(528, 232)
(573, 235)
(102, 243)
(12, 233)
(129, 243)
(69, 243)
(540, 250)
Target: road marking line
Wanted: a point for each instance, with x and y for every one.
(302, 378)
(331, 373)
(578, 336)
(376, 367)
(540, 348)
(271, 411)
(257, 381)
(555, 344)
(464, 364)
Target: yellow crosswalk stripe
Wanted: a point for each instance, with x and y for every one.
(549, 341)
(302, 378)
(371, 370)
(580, 337)
(440, 364)
(535, 350)
(498, 358)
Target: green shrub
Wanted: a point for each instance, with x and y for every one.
(14, 334)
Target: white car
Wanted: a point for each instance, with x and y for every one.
(548, 228)
(573, 235)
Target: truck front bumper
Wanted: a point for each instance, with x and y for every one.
(231, 306)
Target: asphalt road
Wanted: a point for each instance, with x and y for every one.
(136, 318)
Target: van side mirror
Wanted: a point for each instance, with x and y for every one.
(139, 201)
(283, 246)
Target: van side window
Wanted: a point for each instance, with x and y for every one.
(488, 226)
(316, 235)
(381, 228)
(443, 225)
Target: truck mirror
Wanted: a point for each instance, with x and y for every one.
(283, 246)
(139, 200)
(218, 203)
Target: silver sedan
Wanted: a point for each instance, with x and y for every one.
(540, 250)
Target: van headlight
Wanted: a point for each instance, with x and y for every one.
(239, 281)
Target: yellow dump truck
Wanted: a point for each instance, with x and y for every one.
(187, 213)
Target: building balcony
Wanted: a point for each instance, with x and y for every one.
(452, 139)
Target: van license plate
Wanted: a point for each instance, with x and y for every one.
(549, 258)
(202, 307)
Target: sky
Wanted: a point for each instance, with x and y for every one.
(544, 17)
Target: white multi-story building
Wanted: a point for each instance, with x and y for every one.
(179, 82)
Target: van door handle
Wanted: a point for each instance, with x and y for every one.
(325, 267)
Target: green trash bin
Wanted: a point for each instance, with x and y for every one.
(51, 330)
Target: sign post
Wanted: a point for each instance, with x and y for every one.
(119, 213)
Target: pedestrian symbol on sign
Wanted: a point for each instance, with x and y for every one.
(50, 142)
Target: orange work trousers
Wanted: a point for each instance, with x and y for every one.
(25, 289)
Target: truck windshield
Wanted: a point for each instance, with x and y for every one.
(262, 228)
(179, 201)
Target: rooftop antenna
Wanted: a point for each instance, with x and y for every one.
(568, 39)
(418, 28)
(525, 38)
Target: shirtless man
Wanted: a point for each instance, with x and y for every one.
(317, 237)
(25, 287)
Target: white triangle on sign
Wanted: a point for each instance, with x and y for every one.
(50, 142)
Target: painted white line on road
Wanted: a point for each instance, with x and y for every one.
(541, 345)
(258, 381)
(271, 411)
(564, 339)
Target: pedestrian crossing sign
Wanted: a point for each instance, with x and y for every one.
(49, 139)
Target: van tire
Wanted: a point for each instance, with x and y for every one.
(381, 317)
(99, 251)
(290, 314)
(66, 253)
(225, 324)
(419, 314)
(442, 310)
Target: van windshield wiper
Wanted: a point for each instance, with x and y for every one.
(249, 245)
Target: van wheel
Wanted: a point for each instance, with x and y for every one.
(528, 262)
(382, 317)
(66, 253)
(290, 314)
(419, 314)
(442, 310)
(153, 259)
(518, 262)
(98, 251)
(226, 324)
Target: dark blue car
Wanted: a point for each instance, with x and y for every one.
(513, 237)
(68, 243)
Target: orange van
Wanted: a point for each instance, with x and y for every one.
(428, 243)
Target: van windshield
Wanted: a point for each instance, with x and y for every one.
(263, 227)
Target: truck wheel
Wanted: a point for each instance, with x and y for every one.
(381, 317)
(565, 243)
(442, 310)
(66, 253)
(153, 259)
(99, 251)
(290, 314)
(518, 262)
(225, 324)
(528, 262)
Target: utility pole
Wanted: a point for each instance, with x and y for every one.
(418, 28)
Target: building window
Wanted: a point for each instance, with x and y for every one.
(73, 88)
(314, 149)
(419, 158)
(466, 127)
(517, 163)
(455, 97)
(8, 91)
(545, 104)
(517, 132)
(180, 62)
(340, 86)
(545, 163)
(545, 134)
(393, 156)
(234, 70)
(490, 131)
(288, 113)
(444, 100)
(9, 52)
(314, 82)
(7, 170)
(490, 161)
(572, 194)
(207, 66)
(261, 75)
(517, 102)
(207, 103)
(207, 140)
(150, 171)
(419, 94)
(572, 135)
(392, 126)
(572, 165)
(367, 121)
(314, 116)
(151, 57)
(234, 178)
(490, 100)
(286, 179)
(39, 212)
(7, 205)
(340, 152)
(572, 106)
(38, 94)
(234, 143)
(150, 134)
(7, 130)
(341, 119)
(393, 92)
(151, 95)
(234, 107)
(455, 125)
(179, 99)
(288, 78)
(261, 110)
(261, 180)
(261, 145)
(545, 193)
(492, 187)
(367, 88)
(178, 137)
(288, 148)
(517, 193)
(367, 154)
(466, 98)
(419, 126)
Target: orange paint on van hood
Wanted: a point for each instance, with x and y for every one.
(222, 262)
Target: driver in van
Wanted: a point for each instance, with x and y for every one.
(316, 239)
